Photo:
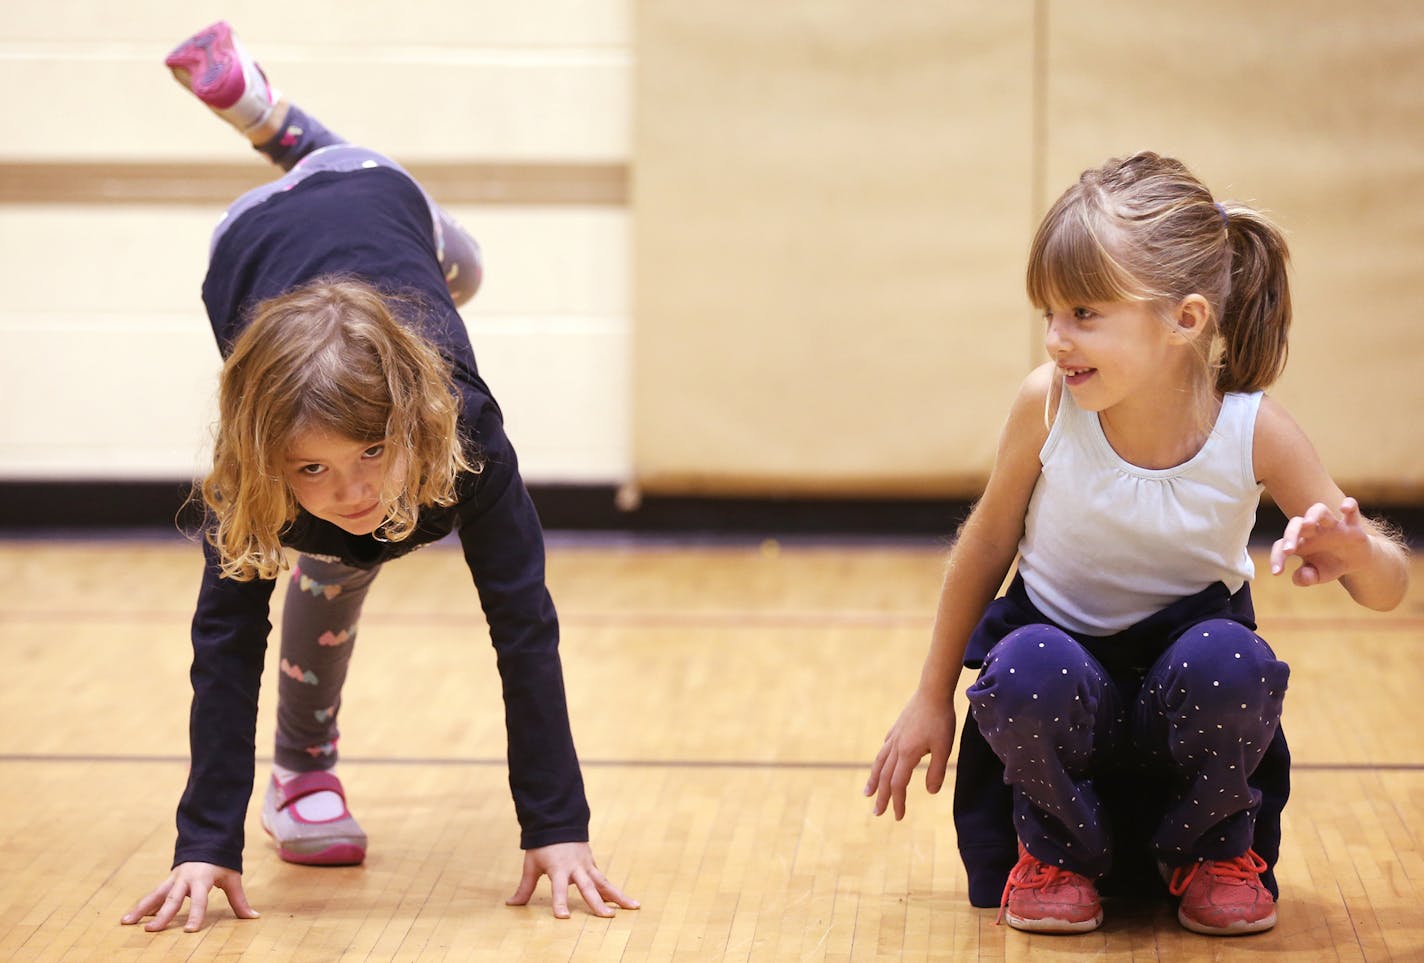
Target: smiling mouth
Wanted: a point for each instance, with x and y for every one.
(1075, 375)
(362, 513)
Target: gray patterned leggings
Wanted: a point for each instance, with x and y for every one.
(319, 619)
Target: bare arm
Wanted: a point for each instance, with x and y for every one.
(978, 563)
(1325, 528)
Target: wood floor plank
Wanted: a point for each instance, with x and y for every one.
(726, 703)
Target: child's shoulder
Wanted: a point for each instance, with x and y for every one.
(1040, 394)
(1285, 459)
(1275, 425)
(1040, 386)
(1036, 403)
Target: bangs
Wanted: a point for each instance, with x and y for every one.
(1070, 263)
(342, 390)
(357, 418)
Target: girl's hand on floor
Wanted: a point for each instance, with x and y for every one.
(925, 727)
(190, 881)
(566, 863)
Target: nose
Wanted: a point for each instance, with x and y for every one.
(1054, 338)
(352, 487)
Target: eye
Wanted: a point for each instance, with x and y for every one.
(1083, 314)
(375, 451)
(310, 470)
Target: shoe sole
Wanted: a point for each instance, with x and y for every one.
(1238, 928)
(206, 63)
(1050, 925)
(320, 852)
(341, 854)
(348, 851)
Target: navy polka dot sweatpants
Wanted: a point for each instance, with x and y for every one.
(1203, 714)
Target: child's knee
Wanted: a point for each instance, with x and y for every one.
(1035, 677)
(1224, 661)
(1222, 676)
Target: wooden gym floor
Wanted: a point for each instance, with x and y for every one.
(726, 698)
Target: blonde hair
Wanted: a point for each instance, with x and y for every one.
(329, 356)
(1145, 229)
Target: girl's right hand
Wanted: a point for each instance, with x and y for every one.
(925, 727)
(190, 881)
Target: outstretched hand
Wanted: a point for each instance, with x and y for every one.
(1329, 543)
(566, 863)
(925, 727)
(190, 881)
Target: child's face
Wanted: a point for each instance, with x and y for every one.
(1107, 352)
(338, 479)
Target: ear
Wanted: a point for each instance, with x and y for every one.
(1191, 316)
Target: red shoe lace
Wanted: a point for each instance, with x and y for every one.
(1029, 872)
(1243, 867)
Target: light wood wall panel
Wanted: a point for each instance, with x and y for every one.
(113, 179)
(1314, 112)
(831, 202)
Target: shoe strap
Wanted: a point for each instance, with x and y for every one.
(308, 784)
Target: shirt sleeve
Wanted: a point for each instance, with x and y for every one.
(230, 629)
(503, 545)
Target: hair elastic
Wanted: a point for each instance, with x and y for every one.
(1220, 209)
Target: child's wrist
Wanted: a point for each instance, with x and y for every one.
(937, 690)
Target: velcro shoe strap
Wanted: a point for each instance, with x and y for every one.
(309, 783)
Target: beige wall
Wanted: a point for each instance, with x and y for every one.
(829, 202)
(833, 201)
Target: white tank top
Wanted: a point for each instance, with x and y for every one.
(1106, 544)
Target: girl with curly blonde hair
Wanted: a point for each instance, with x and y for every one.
(354, 427)
(329, 358)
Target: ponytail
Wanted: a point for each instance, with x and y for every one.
(1256, 315)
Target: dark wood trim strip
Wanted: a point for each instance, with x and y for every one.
(95, 508)
(135, 182)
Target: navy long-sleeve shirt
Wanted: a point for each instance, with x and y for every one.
(374, 224)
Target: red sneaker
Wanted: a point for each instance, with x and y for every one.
(1047, 899)
(1224, 897)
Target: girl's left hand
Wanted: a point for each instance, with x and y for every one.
(564, 863)
(1328, 544)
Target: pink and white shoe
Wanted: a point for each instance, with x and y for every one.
(213, 65)
(338, 841)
